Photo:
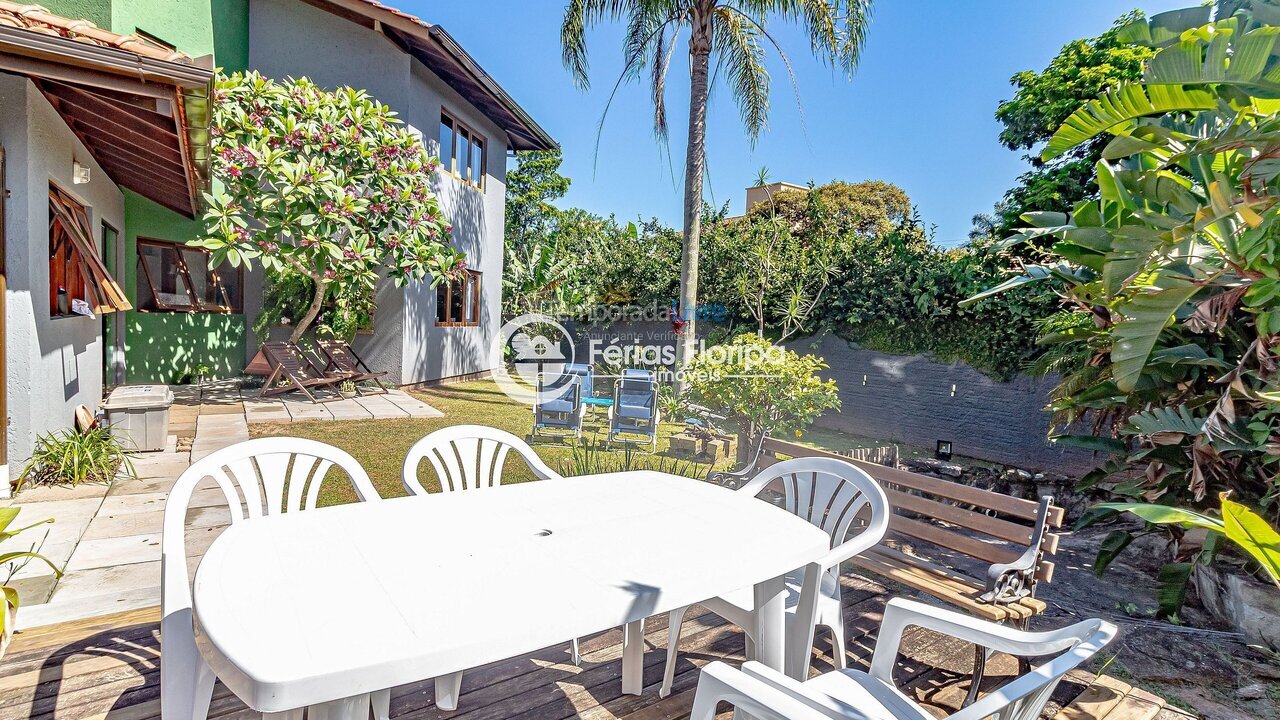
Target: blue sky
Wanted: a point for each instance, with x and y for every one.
(918, 113)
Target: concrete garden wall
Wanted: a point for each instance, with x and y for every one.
(918, 401)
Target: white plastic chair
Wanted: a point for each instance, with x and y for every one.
(849, 694)
(469, 457)
(258, 477)
(831, 494)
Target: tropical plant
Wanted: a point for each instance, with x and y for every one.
(1235, 522)
(10, 563)
(1082, 70)
(328, 184)
(543, 277)
(348, 307)
(763, 388)
(70, 457)
(736, 32)
(1170, 277)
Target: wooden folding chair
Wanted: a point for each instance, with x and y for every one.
(290, 364)
(343, 359)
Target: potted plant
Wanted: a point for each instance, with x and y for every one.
(347, 389)
(11, 563)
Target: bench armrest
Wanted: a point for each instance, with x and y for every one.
(1010, 582)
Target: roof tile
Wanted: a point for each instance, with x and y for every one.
(35, 18)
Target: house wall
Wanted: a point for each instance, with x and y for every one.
(54, 364)
(291, 38)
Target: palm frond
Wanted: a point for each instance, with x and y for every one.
(741, 56)
(578, 16)
(837, 29)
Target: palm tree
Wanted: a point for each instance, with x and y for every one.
(735, 32)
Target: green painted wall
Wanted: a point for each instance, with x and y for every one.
(162, 347)
(196, 27)
(231, 34)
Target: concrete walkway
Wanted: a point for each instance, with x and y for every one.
(106, 539)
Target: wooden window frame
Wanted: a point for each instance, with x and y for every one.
(70, 220)
(474, 139)
(473, 281)
(184, 273)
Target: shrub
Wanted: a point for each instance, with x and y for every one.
(10, 563)
(70, 458)
(762, 387)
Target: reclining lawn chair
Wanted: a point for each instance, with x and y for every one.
(635, 406)
(587, 376)
(558, 404)
(343, 359)
(292, 369)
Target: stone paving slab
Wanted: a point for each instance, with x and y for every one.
(348, 409)
(412, 405)
(381, 407)
(303, 410)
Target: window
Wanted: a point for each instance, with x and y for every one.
(79, 283)
(462, 152)
(177, 278)
(458, 301)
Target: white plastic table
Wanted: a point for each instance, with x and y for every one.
(301, 609)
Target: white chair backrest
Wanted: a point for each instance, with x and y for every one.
(829, 493)
(257, 477)
(1022, 698)
(467, 457)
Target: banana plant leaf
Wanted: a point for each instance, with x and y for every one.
(1171, 587)
(1146, 316)
(1248, 530)
(1164, 28)
(1123, 105)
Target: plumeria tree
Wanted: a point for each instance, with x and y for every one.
(330, 184)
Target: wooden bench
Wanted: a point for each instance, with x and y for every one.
(938, 519)
(1012, 534)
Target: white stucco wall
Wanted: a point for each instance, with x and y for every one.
(291, 38)
(54, 364)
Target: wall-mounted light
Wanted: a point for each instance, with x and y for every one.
(79, 174)
(953, 390)
(943, 451)
(864, 379)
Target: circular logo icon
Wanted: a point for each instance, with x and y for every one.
(529, 358)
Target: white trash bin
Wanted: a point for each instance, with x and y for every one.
(138, 416)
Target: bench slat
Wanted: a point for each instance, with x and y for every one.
(995, 527)
(943, 583)
(999, 502)
(951, 540)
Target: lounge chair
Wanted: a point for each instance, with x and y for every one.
(587, 376)
(343, 359)
(635, 406)
(292, 369)
(558, 404)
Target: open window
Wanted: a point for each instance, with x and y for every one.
(458, 301)
(177, 278)
(79, 283)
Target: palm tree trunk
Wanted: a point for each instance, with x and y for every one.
(699, 55)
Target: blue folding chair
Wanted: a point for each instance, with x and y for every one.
(635, 406)
(587, 377)
(558, 405)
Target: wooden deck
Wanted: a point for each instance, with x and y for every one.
(109, 667)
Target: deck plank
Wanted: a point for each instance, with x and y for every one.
(107, 668)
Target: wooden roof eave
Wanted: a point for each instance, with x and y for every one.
(63, 55)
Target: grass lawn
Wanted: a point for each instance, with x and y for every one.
(381, 445)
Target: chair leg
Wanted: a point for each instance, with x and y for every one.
(839, 656)
(381, 702)
(979, 669)
(575, 653)
(675, 620)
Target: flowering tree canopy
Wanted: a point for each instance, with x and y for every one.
(327, 183)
